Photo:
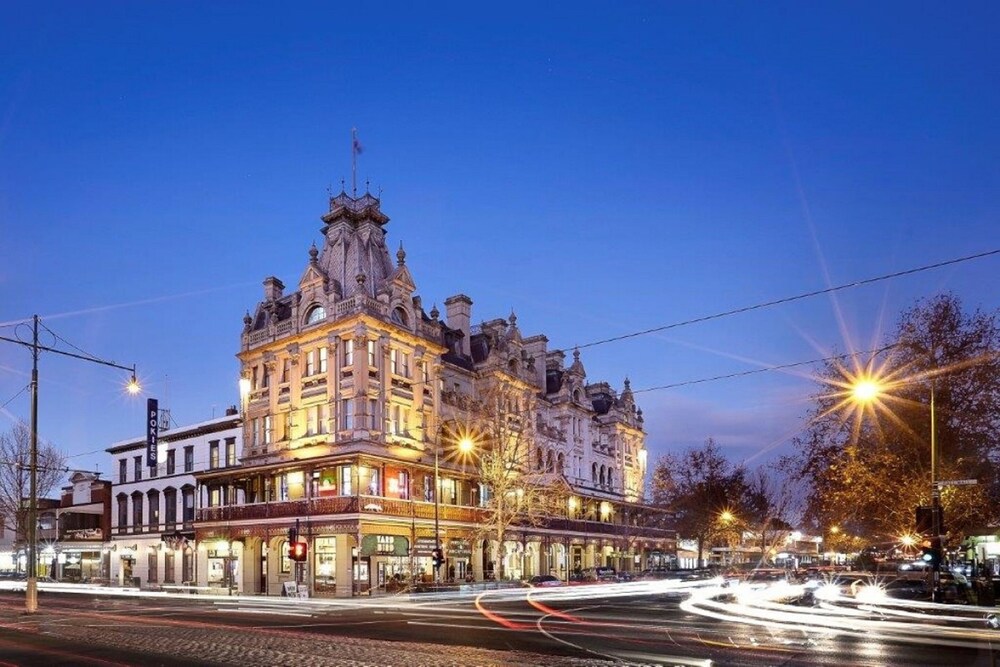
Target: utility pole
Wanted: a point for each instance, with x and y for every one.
(31, 593)
(31, 589)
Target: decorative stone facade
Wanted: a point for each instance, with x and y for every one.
(347, 382)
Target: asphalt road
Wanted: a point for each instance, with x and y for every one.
(581, 626)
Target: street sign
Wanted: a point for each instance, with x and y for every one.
(958, 482)
(152, 430)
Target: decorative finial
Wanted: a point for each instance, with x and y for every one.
(313, 253)
(576, 354)
(401, 254)
(247, 320)
(367, 187)
(513, 318)
(435, 313)
(343, 189)
(628, 384)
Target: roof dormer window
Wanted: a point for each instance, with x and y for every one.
(316, 314)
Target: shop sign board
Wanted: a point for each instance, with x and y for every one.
(384, 545)
(459, 548)
(424, 546)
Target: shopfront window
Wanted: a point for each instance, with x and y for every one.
(326, 565)
(285, 562)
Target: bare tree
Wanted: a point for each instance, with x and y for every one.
(15, 474)
(703, 488)
(513, 494)
(765, 507)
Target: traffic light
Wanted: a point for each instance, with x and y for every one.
(931, 553)
(297, 551)
(437, 557)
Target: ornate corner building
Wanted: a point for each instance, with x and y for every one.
(353, 396)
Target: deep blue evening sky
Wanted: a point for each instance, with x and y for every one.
(600, 168)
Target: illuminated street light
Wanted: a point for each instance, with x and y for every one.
(868, 389)
(465, 445)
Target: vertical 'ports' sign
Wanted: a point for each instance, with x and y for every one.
(152, 429)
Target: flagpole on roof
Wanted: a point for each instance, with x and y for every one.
(356, 149)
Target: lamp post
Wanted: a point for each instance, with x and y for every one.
(867, 390)
(465, 445)
(31, 589)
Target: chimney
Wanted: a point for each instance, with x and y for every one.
(231, 411)
(458, 310)
(272, 288)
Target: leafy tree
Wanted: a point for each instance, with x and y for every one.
(867, 466)
(15, 474)
(700, 486)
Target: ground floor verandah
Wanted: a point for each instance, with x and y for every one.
(361, 556)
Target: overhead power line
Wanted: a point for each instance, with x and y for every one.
(789, 299)
(765, 369)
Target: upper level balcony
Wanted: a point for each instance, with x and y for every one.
(413, 509)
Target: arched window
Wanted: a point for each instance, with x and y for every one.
(154, 509)
(137, 511)
(398, 316)
(610, 479)
(316, 314)
(550, 464)
(602, 476)
(540, 463)
(561, 464)
(594, 473)
(122, 512)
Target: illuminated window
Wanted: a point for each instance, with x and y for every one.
(345, 481)
(348, 352)
(322, 359)
(317, 314)
(371, 354)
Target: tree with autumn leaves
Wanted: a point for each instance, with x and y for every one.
(866, 465)
(717, 503)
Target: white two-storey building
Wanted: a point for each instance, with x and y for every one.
(153, 508)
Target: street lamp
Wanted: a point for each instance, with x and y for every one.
(133, 388)
(465, 445)
(868, 389)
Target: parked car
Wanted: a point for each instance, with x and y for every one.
(544, 580)
(599, 574)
